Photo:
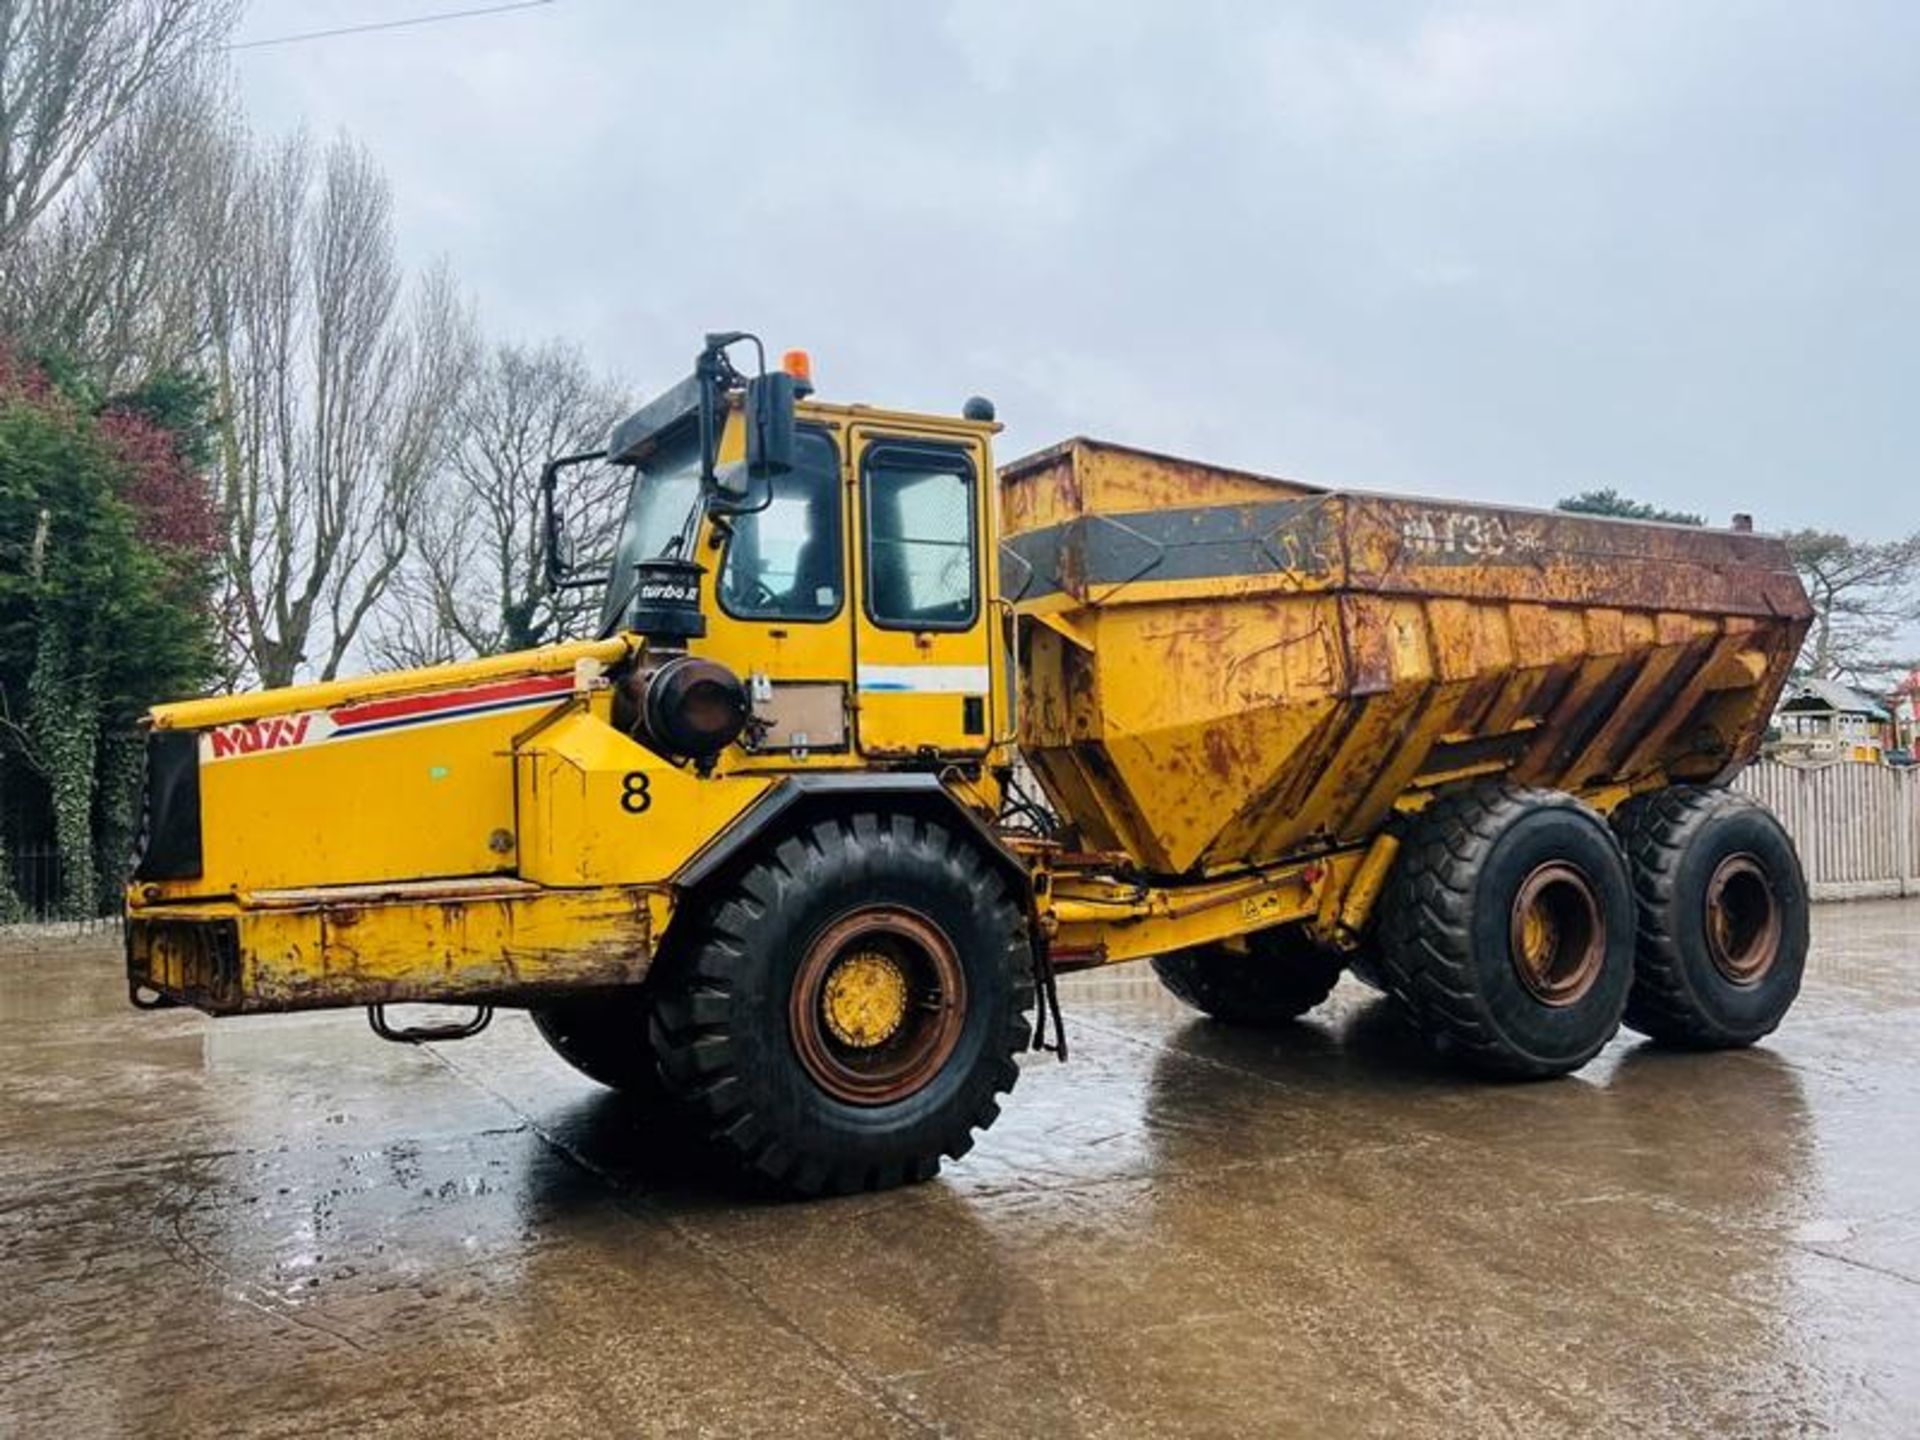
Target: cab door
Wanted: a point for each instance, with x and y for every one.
(922, 668)
(780, 614)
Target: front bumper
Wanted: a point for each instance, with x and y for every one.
(482, 941)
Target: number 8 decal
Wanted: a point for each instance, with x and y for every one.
(635, 798)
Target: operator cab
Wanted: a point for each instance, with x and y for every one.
(786, 560)
(836, 558)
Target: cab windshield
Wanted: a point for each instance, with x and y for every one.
(665, 490)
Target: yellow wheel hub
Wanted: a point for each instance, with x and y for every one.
(865, 999)
(1537, 937)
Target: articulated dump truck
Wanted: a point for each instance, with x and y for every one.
(767, 850)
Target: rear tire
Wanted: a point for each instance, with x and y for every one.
(1279, 976)
(605, 1039)
(1507, 930)
(848, 1010)
(1723, 916)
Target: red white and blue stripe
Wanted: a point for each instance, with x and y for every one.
(380, 717)
(402, 711)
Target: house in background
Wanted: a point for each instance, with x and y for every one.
(1906, 720)
(1823, 720)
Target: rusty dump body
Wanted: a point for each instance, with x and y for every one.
(1220, 669)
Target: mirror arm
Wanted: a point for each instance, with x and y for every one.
(717, 375)
(708, 369)
(715, 372)
(746, 505)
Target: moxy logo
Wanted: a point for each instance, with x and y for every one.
(250, 737)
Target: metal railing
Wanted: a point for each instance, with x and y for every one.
(34, 891)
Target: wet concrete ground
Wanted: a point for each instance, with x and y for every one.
(283, 1226)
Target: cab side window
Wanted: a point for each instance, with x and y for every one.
(786, 561)
(922, 569)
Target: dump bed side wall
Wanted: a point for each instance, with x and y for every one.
(1419, 547)
(1241, 682)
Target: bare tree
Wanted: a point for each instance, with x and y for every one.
(116, 277)
(334, 393)
(1864, 594)
(475, 584)
(70, 72)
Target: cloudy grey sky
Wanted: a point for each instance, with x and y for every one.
(1506, 251)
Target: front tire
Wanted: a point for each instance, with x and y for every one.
(1278, 977)
(1723, 917)
(849, 1009)
(605, 1039)
(1507, 930)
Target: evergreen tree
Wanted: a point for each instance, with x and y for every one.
(1613, 504)
(105, 579)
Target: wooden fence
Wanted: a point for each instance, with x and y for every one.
(1857, 826)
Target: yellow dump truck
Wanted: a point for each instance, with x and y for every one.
(763, 849)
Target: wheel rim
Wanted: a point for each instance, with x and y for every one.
(877, 1005)
(1557, 934)
(1743, 922)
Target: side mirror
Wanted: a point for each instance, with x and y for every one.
(554, 547)
(770, 425)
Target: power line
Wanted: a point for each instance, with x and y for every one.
(389, 24)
